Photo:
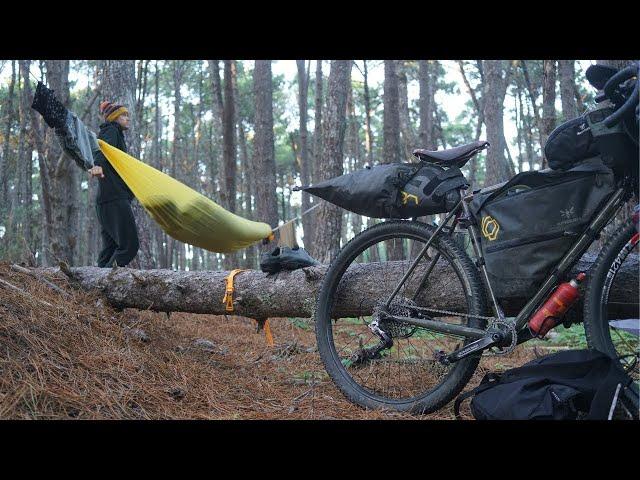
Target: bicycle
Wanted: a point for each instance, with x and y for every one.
(399, 351)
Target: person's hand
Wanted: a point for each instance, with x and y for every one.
(96, 172)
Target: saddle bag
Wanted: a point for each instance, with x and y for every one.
(568, 385)
(394, 190)
(529, 223)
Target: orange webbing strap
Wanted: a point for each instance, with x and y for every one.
(228, 291)
(228, 299)
(267, 333)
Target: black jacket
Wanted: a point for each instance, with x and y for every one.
(111, 187)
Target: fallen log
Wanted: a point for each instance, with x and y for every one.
(287, 294)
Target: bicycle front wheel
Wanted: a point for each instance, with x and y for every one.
(611, 306)
(444, 286)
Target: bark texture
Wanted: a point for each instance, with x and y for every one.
(408, 137)
(548, 103)
(496, 80)
(567, 75)
(391, 117)
(264, 150)
(287, 294)
(305, 171)
(426, 102)
(329, 217)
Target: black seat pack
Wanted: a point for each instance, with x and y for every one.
(394, 190)
(568, 385)
(529, 223)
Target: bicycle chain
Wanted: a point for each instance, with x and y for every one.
(494, 322)
(455, 314)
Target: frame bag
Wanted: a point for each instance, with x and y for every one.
(529, 223)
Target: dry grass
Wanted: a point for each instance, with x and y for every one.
(81, 359)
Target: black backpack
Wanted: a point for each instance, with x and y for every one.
(569, 385)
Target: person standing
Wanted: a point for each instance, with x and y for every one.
(113, 202)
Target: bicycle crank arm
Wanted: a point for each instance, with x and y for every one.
(490, 340)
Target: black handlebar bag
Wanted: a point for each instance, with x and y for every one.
(569, 144)
(527, 225)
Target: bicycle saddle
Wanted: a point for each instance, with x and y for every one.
(452, 157)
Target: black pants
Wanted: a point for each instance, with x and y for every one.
(119, 233)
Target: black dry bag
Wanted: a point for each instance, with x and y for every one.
(394, 190)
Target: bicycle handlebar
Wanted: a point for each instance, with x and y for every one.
(610, 91)
(627, 107)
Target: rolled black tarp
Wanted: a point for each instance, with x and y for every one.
(47, 105)
(75, 138)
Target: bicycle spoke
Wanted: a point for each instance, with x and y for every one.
(412, 372)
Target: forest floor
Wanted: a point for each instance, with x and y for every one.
(78, 358)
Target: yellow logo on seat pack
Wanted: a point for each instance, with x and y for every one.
(490, 227)
(408, 196)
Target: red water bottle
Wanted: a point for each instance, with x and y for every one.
(550, 314)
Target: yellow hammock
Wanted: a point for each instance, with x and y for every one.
(181, 212)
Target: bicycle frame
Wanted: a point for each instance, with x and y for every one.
(599, 221)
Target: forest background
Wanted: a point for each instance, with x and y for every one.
(245, 132)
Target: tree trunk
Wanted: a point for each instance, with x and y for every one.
(391, 116)
(427, 91)
(536, 114)
(391, 132)
(38, 129)
(25, 167)
(7, 113)
(329, 217)
(216, 120)
(229, 167)
(496, 78)
(408, 137)
(317, 128)
(229, 149)
(548, 104)
(567, 74)
(289, 294)
(479, 106)
(305, 176)
(175, 168)
(160, 237)
(64, 192)
(354, 147)
(368, 139)
(264, 150)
